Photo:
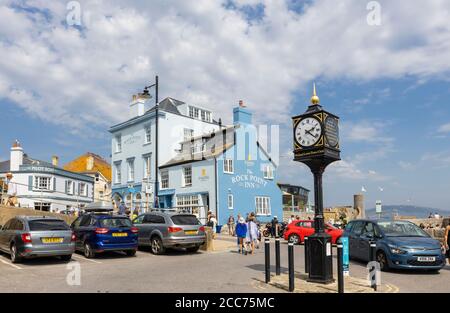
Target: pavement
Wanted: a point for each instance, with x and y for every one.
(222, 270)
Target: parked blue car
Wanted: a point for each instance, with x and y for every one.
(399, 244)
(99, 232)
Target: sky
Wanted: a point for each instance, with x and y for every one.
(382, 66)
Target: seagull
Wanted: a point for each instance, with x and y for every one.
(363, 189)
(381, 189)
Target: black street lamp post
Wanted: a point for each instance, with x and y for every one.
(156, 85)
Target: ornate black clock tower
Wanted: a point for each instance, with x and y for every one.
(316, 144)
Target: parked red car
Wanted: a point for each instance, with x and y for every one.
(298, 230)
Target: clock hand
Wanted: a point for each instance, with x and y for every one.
(309, 132)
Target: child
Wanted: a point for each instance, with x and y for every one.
(241, 233)
(252, 234)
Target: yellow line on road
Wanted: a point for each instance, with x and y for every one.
(10, 264)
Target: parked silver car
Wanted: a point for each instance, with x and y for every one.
(36, 236)
(161, 230)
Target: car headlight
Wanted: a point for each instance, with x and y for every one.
(398, 251)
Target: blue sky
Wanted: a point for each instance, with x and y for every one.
(62, 86)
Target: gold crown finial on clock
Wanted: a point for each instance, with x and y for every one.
(314, 99)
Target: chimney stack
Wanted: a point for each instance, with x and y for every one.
(90, 163)
(55, 160)
(16, 156)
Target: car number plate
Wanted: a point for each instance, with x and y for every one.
(426, 259)
(119, 234)
(52, 240)
(190, 232)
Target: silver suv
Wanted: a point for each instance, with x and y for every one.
(161, 230)
(36, 236)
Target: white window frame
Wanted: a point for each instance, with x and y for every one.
(187, 178)
(130, 170)
(147, 160)
(164, 179)
(230, 201)
(228, 166)
(118, 175)
(188, 133)
(118, 145)
(70, 187)
(147, 134)
(268, 171)
(39, 185)
(262, 206)
(187, 203)
(83, 189)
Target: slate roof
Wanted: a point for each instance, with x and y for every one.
(5, 165)
(215, 144)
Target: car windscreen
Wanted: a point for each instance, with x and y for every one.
(401, 229)
(185, 220)
(42, 225)
(115, 222)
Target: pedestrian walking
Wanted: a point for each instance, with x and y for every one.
(252, 234)
(241, 233)
(213, 223)
(230, 224)
(122, 208)
(291, 219)
(274, 228)
(447, 241)
(135, 214)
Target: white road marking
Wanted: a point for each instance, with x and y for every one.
(10, 264)
(85, 259)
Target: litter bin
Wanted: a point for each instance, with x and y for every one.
(218, 229)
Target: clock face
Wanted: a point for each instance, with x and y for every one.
(308, 132)
(332, 131)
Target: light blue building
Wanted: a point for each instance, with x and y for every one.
(226, 172)
(203, 165)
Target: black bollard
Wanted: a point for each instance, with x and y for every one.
(291, 266)
(373, 257)
(277, 257)
(267, 252)
(306, 255)
(340, 269)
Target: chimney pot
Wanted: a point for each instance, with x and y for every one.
(55, 160)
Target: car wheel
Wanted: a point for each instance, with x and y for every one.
(130, 252)
(157, 246)
(294, 238)
(382, 259)
(14, 254)
(193, 249)
(88, 252)
(66, 258)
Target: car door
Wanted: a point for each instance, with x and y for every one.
(146, 228)
(78, 228)
(4, 236)
(354, 238)
(138, 222)
(307, 229)
(366, 237)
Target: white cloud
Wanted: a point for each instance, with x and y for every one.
(445, 129)
(206, 53)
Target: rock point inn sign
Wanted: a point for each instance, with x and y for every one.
(249, 181)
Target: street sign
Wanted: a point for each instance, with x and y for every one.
(149, 189)
(378, 207)
(345, 256)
